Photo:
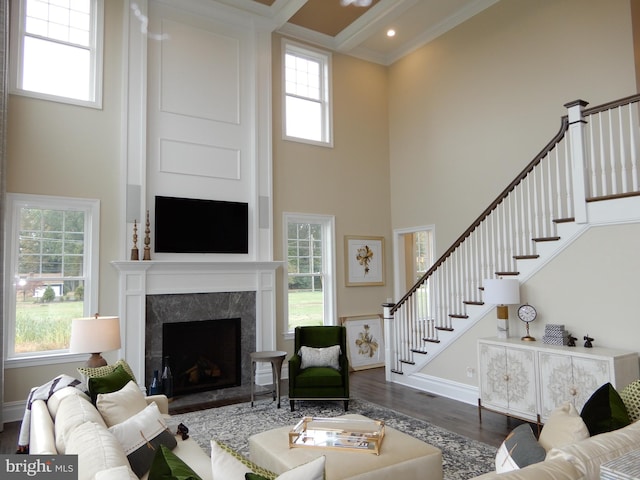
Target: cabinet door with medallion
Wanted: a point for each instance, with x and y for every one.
(569, 378)
(508, 380)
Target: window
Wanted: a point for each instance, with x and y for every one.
(52, 255)
(310, 248)
(56, 48)
(306, 85)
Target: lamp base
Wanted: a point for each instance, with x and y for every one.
(528, 338)
(95, 360)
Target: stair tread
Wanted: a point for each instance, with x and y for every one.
(446, 329)
(432, 340)
(545, 239)
(458, 315)
(526, 257)
(507, 274)
(421, 352)
(564, 220)
(472, 302)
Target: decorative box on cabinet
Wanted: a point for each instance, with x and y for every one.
(537, 377)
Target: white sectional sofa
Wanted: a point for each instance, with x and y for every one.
(68, 423)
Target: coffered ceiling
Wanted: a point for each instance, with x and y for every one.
(361, 31)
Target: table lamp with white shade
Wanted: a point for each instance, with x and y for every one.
(95, 335)
(502, 292)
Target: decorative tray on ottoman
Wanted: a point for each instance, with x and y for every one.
(338, 433)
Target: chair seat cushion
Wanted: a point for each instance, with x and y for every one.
(319, 377)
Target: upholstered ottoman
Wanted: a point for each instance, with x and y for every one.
(401, 457)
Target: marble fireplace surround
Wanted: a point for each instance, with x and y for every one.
(137, 279)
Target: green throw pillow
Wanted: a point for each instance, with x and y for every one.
(605, 411)
(108, 383)
(168, 466)
(254, 476)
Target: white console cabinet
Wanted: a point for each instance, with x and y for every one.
(529, 380)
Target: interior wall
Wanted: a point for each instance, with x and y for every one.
(469, 110)
(59, 149)
(499, 82)
(349, 181)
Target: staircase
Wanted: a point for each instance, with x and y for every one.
(586, 175)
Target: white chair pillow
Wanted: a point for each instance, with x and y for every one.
(320, 357)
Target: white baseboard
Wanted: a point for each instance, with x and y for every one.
(440, 386)
(13, 411)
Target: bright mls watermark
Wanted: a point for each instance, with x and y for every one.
(49, 467)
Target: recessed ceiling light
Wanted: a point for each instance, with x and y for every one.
(391, 32)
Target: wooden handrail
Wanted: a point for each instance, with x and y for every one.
(611, 105)
(564, 123)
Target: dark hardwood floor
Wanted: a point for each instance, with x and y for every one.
(371, 385)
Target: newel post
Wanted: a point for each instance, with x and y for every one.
(578, 158)
(389, 339)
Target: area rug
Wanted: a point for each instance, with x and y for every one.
(463, 458)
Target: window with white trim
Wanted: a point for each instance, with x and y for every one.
(306, 94)
(52, 271)
(310, 248)
(56, 50)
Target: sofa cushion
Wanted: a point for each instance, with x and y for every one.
(605, 411)
(519, 449)
(111, 382)
(141, 435)
(74, 410)
(631, 397)
(587, 455)
(556, 469)
(97, 450)
(320, 357)
(122, 472)
(315, 377)
(167, 466)
(116, 407)
(563, 427)
(227, 464)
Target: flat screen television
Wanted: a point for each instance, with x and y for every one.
(189, 225)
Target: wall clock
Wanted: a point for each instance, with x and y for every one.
(527, 313)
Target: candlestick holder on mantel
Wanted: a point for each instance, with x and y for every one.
(134, 250)
(147, 240)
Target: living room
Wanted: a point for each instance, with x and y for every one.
(428, 140)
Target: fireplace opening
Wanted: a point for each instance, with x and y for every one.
(203, 355)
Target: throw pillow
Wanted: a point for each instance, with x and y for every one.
(320, 357)
(563, 427)
(117, 406)
(140, 437)
(604, 411)
(167, 466)
(230, 465)
(111, 382)
(631, 398)
(519, 449)
(92, 372)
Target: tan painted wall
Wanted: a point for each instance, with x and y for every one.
(471, 109)
(58, 149)
(349, 181)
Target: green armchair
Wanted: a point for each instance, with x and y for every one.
(319, 382)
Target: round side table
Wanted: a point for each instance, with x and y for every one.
(275, 358)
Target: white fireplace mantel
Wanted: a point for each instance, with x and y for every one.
(141, 278)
